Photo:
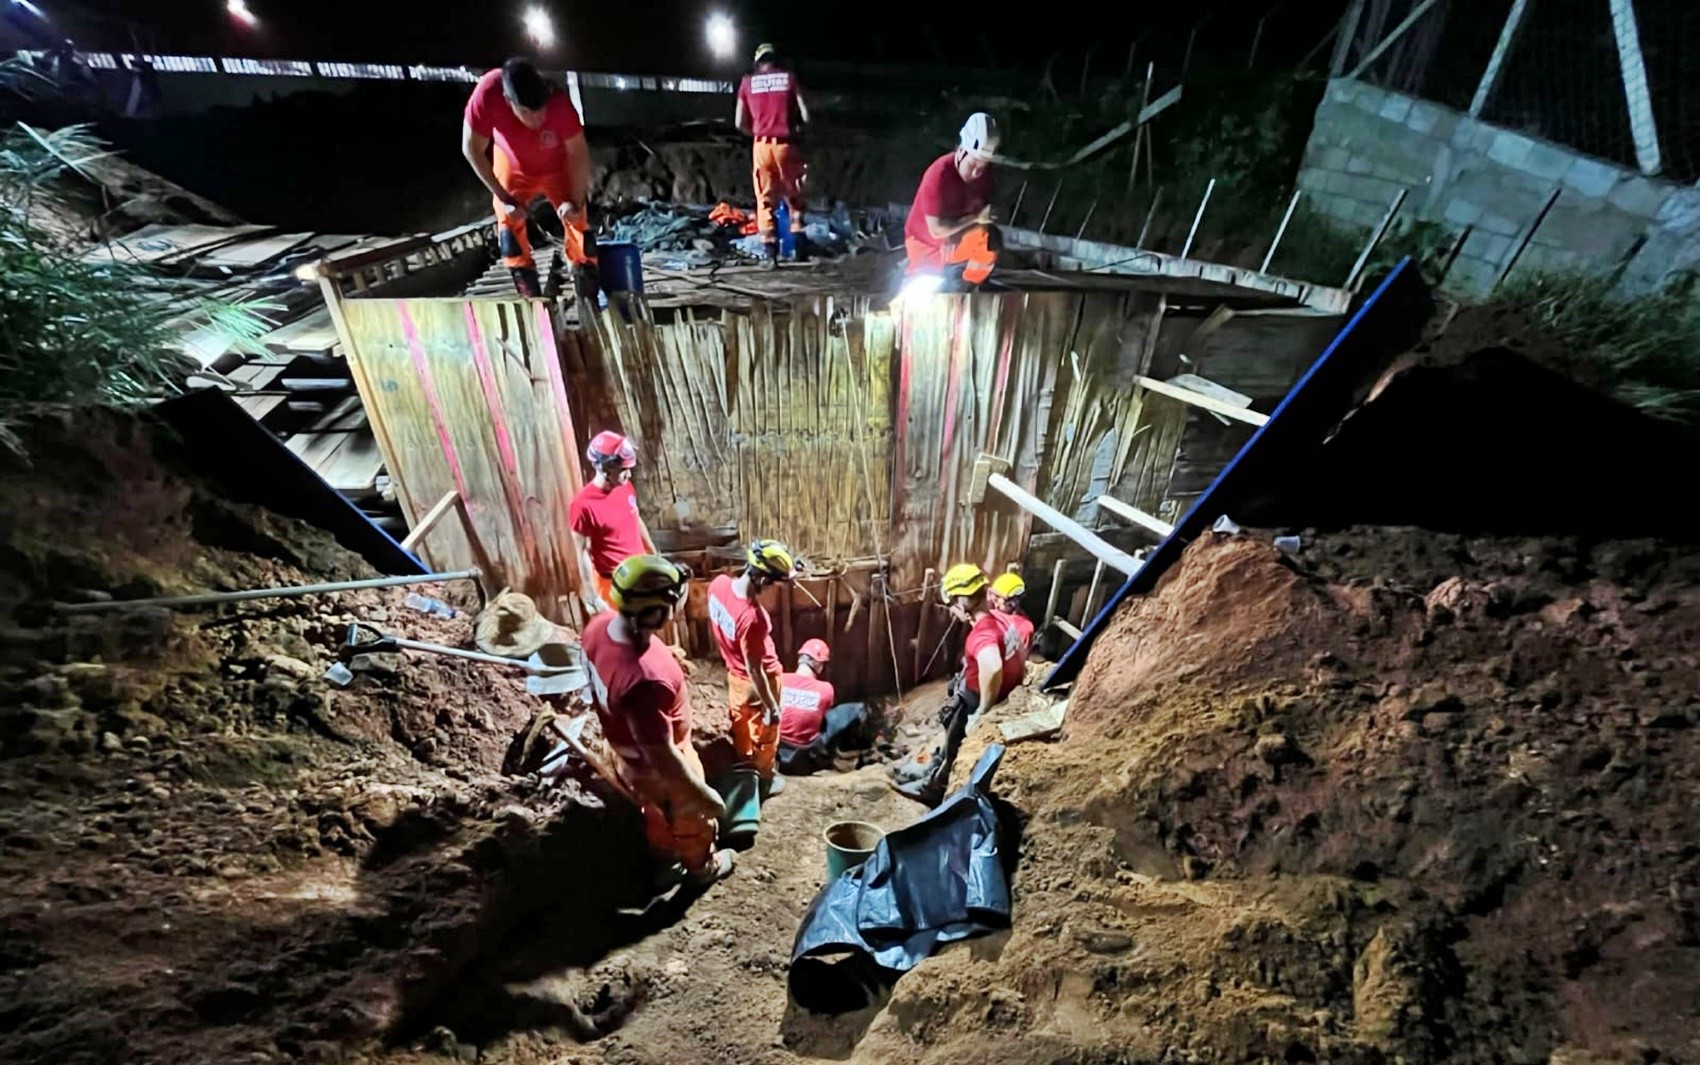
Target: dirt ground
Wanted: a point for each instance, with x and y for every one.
(1401, 796)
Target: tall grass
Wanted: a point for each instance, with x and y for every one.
(75, 330)
(1644, 349)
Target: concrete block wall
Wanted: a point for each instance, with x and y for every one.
(1369, 143)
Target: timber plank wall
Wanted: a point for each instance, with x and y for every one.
(845, 429)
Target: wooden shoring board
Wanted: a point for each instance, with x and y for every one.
(158, 243)
(353, 468)
(247, 254)
(259, 406)
(311, 332)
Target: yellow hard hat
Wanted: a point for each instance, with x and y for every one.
(644, 582)
(962, 579)
(764, 50)
(771, 559)
(1009, 585)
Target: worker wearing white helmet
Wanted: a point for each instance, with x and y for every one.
(950, 220)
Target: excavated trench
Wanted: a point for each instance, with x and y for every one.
(1400, 794)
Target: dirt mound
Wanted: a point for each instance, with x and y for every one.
(1444, 814)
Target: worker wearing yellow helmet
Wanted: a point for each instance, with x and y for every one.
(743, 630)
(994, 662)
(645, 710)
(1005, 597)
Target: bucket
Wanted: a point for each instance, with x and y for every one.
(621, 265)
(740, 789)
(848, 844)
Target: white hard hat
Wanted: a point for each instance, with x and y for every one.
(979, 135)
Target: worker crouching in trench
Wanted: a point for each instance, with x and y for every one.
(645, 710)
(994, 662)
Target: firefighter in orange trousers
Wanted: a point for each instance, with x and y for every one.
(645, 710)
(743, 630)
(771, 111)
(604, 519)
(539, 151)
(950, 221)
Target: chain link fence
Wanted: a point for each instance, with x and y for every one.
(1559, 78)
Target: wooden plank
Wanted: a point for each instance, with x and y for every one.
(1203, 402)
(260, 406)
(257, 376)
(159, 243)
(430, 520)
(353, 467)
(313, 332)
(1080, 534)
(247, 254)
(1135, 515)
(347, 415)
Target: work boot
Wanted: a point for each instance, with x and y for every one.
(719, 867)
(770, 255)
(772, 786)
(556, 272)
(587, 283)
(800, 247)
(525, 281)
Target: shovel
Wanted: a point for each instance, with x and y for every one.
(356, 642)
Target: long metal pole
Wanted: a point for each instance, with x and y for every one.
(176, 601)
(1197, 218)
(1281, 232)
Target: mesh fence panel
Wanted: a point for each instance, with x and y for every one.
(1562, 81)
(1441, 57)
(1670, 43)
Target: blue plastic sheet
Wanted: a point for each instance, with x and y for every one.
(937, 881)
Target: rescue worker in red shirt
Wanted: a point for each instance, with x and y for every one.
(805, 698)
(950, 221)
(539, 150)
(645, 710)
(994, 663)
(1005, 597)
(743, 630)
(607, 528)
(771, 111)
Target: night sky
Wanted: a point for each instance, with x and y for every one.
(665, 36)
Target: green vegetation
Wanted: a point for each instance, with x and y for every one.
(1643, 349)
(74, 331)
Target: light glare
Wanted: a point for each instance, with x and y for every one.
(722, 36)
(239, 11)
(539, 27)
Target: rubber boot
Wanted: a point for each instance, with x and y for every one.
(587, 283)
(800, 247)
(556, 272)
(525, 281)
(770, 255)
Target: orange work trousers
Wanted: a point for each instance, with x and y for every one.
(605, 590)
(511, 232)
(778, 175)
(976, 249)
(756, 741)
(686, 838)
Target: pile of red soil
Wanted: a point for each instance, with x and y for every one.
(1403, 797)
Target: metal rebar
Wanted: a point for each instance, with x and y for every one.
(1281, 231)
(1198, 217)
(1145, 230)
(208, 598)
(1375, 239)
(1016, 210)
(1082, 230)
(1528, 235)
(1048, 206)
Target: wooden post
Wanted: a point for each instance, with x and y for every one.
(1056, 589)
(1064, 524)
(1496, 62)
(1528, 235)
(1092, 593)
(430, 520)
(1197, 218)
(786, 622)
(875, 595)
(1641, 124)
(831, 611)
(1145, 230)
(921, 622)
(1048, 206)
(1202, 401)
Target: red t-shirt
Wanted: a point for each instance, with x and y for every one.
(608, 518)
(537, 153)
(1023, 626)
(944, 195)
(995, 632)
(641, 697)
(739, 624)
(803, 702)
(770, 96)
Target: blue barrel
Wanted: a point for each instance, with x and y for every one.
(620, 265)
(787, 239)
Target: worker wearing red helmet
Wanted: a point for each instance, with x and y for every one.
(607, 528)
(814, 728)
(950, 221)
(539, 151)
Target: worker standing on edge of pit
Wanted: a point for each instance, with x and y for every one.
(1005, 597)
(645, 710)
(810, 724)
(771, 111)
(539, 151)
(607, 528)
(743, 630)
(950, 220)
(994, 663)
